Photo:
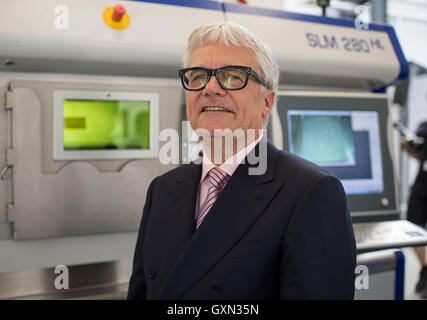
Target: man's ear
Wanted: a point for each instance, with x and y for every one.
(268, 103)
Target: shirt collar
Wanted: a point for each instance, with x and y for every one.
(230, 165)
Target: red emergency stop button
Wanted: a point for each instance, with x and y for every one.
(116, 17)
(118, 12)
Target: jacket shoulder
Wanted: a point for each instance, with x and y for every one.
(178, 173)
(291, 166)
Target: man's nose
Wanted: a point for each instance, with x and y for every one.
(213, 87)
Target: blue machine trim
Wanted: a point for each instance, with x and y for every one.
(381, 90)
(203, 4)
(239, 8)
(399, 289)
(404, 67)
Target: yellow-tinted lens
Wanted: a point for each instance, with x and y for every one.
(232, 78)
(195, 79)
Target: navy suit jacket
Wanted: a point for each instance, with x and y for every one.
(285, 234)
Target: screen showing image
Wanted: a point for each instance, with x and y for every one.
(347, 143)
(104, 125)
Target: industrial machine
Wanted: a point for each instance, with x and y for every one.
(90, 89)
(332, 107)
(333, 110)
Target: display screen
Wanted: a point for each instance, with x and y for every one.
(105, 125)
(347, 143)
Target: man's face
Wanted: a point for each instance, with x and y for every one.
(246, 107)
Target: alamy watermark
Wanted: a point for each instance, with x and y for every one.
(361, 280)
(62, 17)
(362, 277)
(221, 147)
(363, 17)
(62, 281)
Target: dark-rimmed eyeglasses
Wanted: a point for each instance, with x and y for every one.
(228, 77)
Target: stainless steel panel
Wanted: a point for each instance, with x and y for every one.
(107, 280)
(67, 198)
(381, 278)
(5, 179)
(80, 250)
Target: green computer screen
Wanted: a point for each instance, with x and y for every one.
(101, 125)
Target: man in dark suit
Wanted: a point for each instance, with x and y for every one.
(223, 229)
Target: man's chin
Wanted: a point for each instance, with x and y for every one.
(216, 132)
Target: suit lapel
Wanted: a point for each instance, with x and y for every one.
(236, 209)
(179, 217)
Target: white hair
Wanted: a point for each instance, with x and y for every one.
(232, 34)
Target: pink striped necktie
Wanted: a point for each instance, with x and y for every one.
(218, 180)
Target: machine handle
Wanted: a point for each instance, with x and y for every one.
(4, 171)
